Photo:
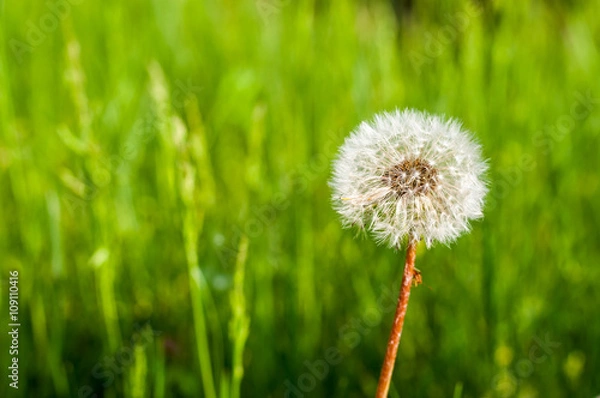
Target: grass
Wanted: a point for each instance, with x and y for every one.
(163, 195)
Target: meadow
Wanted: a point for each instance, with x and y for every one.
(164, 198)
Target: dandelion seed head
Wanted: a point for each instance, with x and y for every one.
(409, 174)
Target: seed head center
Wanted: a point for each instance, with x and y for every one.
(411, 177)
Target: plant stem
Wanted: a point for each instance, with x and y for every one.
(392, 348)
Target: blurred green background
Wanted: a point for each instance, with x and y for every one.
(164, 198)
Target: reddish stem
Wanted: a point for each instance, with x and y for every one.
(394, 340)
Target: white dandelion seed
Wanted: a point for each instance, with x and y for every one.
(409, 174)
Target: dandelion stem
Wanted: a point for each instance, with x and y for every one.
(392, 348)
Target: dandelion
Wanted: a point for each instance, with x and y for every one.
(408, 176)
